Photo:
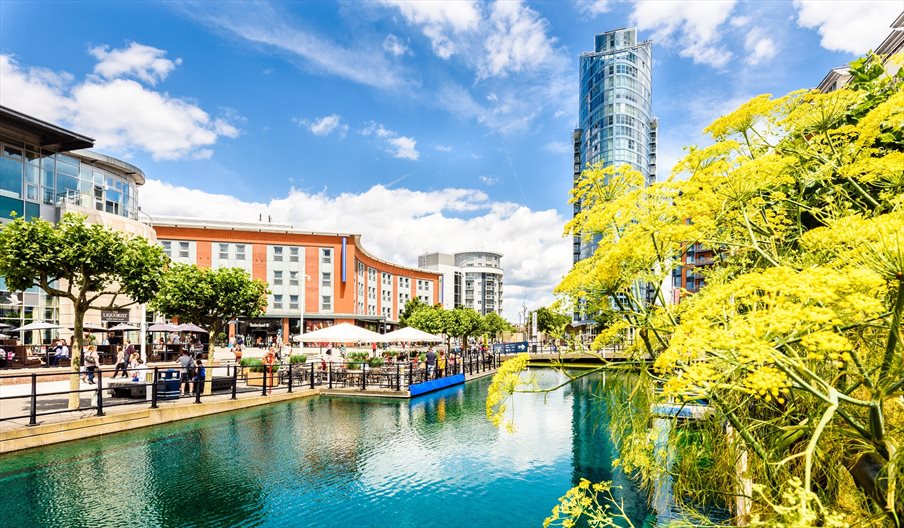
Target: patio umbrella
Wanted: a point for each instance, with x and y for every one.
(341, 333)
(163, 327)
(37, 325)
(189, 327)
(411, 335)
(123, 327)
(91, 327)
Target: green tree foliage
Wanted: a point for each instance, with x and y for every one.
(210, 297)
(494, 324)
(463, 323)
(430, 319)
(550, 321)
(91, 265)
(794, 342)
(411, 306)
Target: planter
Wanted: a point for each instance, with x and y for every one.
(256, 379)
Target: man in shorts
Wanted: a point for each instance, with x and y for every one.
(186, 364)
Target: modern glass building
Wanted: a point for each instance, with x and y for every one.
(617, 126)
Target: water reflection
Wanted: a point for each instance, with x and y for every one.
(430, 462)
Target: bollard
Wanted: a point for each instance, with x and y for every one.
(33, 415)
(264, 383)
(312, 375)
(100, 392)
(154, 388)
(235, 380)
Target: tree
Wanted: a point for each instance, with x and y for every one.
(493, 324)
(210, 297)
(463, 323)
(430, 319)
(411, 306)
(91, 265)
(794, 342)
(551, 322)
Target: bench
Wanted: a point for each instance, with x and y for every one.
(127, 389)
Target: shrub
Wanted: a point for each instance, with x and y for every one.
(358, 356)
(376, 362)
(253, 364)
(298, 358)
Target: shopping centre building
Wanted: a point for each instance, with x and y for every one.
(315, 279)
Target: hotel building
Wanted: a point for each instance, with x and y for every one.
(315, 279)
(471, 279)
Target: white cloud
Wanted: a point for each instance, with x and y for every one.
(443, 148)
(852, 27)
(739, 21)
(399, 146)
(399, 224)
(394, 46)
(517, 41)
(325, 125)
(404, 147)
(439, 19)
(592, 7)
(691, 25)
(489, 180)
(121, 114)
(265, 25)
(144, 62)
(759, 46)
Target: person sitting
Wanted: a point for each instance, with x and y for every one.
(61, 352)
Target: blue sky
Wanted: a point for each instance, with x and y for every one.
(422, 125)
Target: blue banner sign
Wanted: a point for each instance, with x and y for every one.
(510, 348)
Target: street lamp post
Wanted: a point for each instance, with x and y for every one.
(304, 287)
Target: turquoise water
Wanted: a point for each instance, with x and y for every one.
(433, 461)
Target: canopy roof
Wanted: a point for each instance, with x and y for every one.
(411, 335)
(341, 333)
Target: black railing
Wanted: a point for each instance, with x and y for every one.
(151, 385)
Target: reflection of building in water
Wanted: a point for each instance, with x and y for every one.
(593, 449)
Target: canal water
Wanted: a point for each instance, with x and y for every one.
(433, 461)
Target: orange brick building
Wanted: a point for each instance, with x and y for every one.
(318, 278)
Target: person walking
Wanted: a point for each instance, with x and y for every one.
(92, 360)
(121, 363)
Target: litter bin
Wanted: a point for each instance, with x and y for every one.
(168, 385)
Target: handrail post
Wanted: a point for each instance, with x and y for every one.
(312, 375)
(330, 375)
(410, 375)
(290, 377)
(154, 388)
(33, 413)
(363, 376)
(398, 377)
(264, 384)
(199, 386)
(235, 380)
(100, 392)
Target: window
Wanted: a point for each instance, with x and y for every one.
(277, 253)
(293, 302)
(277, 302)
(326, 302)
(167, 248)
(326, 279)
(326, 255)
(183, 249)
(293, 278)
(277, 278)
(240, 252)
(224, 251)
(293, 254)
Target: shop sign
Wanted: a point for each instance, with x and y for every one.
(114, 316)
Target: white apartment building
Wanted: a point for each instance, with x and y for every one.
(471, 279)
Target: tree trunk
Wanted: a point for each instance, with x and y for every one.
(76, 355)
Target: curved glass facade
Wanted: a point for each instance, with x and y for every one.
(616, 121)
(31, 177)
